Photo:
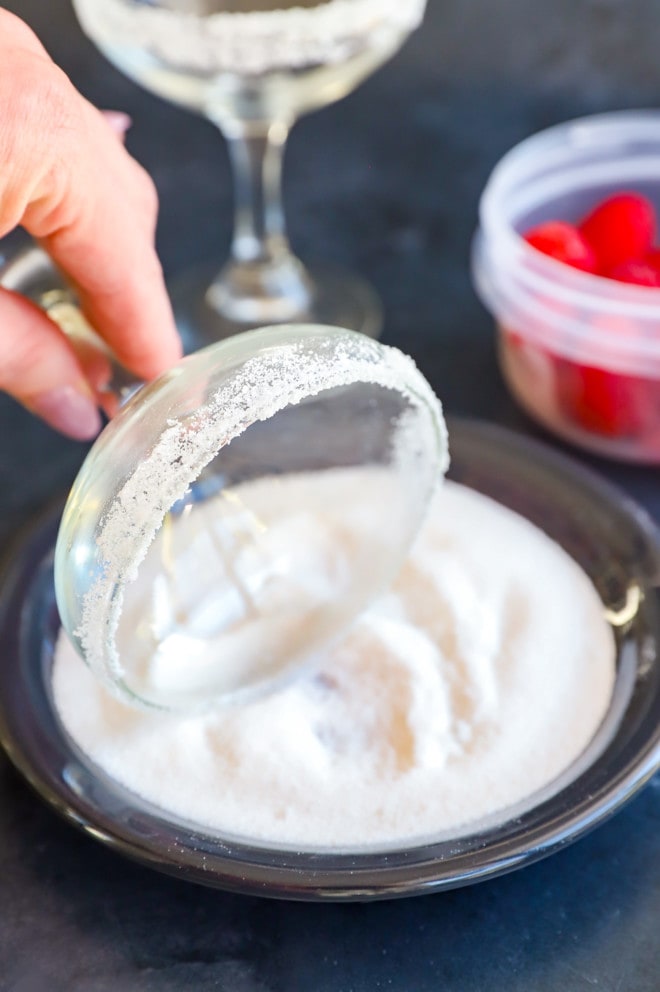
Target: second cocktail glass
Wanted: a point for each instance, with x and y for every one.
(253, 67)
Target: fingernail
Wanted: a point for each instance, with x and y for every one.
(69, 411)
(118, 121)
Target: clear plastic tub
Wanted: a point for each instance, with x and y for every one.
(581, 353)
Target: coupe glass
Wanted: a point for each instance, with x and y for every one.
(239, 513)
(210, 485)
(253, 67)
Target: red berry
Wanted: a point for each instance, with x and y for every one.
(608, 403)
(604, 401)
(620, 229)
(636, 273)
(652, 258)
(564, 242)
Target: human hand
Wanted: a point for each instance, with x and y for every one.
(67, 179)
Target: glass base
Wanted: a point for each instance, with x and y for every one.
(338, 298)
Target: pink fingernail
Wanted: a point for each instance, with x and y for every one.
(69, 411)
(118, 121)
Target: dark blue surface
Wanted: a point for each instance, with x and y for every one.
(387, 182)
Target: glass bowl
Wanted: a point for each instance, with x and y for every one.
(607, 534)
(580, 353)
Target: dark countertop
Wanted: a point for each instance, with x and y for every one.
(386, 182)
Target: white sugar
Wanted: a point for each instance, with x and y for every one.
(476, 681)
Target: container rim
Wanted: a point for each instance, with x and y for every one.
(541, 273)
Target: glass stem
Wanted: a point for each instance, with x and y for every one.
(263, 281)
(259, 217)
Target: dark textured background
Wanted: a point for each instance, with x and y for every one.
(386, 182)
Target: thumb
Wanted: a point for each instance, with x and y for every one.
(39, 368)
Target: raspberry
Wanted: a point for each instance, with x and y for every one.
(564, 242)
(620, 229)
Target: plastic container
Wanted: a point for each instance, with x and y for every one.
(580, 353)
